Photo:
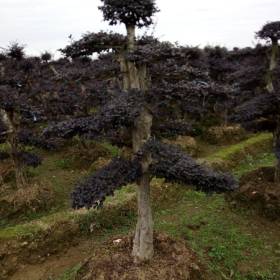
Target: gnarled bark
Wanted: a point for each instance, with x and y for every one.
(7, 119)
(143, 240)
(272, 64)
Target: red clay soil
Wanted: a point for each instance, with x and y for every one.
(259, 193)
(172, 260)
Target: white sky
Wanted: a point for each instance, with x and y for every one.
(46, 25)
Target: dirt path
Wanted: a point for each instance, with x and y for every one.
(56, 264)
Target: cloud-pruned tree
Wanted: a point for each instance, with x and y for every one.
(130, 111)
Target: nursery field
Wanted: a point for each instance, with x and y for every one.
(132, 158)
(231, 236)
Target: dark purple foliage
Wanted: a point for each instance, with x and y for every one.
(130, 12)
(31, 159)
(271, 30)
(102, 184)
(171, 163)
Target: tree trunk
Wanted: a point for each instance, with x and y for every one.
(258, 91)
(185, 116)
(223, 114)
(2, 69)
(272, 65)
(7, 119)
(83, 144)
(277, 166)
(277, 171)
(21, 177)
(143, 241)
(53, 69)
(124, 71)
(144, 78)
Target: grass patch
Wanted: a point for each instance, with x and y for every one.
(65, 163)
(113, 149)
(31, 231)
(34, 172)
(250, 163)
(224, 238)
(224, 154)
(69, 273)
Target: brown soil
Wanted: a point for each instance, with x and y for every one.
(172, 260)
(55, 264)
(188, 144)
(32, 249)
(218, 135)
(38, 195)
(100, 162)
(259, 193)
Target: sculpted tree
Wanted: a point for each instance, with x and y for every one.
(131, 111)
(265, 105)
(271, 31)
(28, 98)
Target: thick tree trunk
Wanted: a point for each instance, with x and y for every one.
(272, 65)
(7, 119)
(144, 78)
(20, 173)
(124, 70)
(143, 240)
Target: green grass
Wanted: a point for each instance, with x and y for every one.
(64, 163)
(69, 273)
(250, 163)
(31, 231)
(113, 149)
(224, 154)
(33, 172)
(221, 237)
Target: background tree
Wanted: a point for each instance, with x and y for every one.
(271, 31)
(24, 106)
(265, 105)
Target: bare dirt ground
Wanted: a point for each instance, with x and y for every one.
(54, 265)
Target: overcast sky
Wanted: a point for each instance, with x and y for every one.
(46, 25)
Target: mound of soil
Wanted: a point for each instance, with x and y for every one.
(172, 260)
(36, 247)
(188, 144)
(259, 192)
(225, 135)
(36, 196)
